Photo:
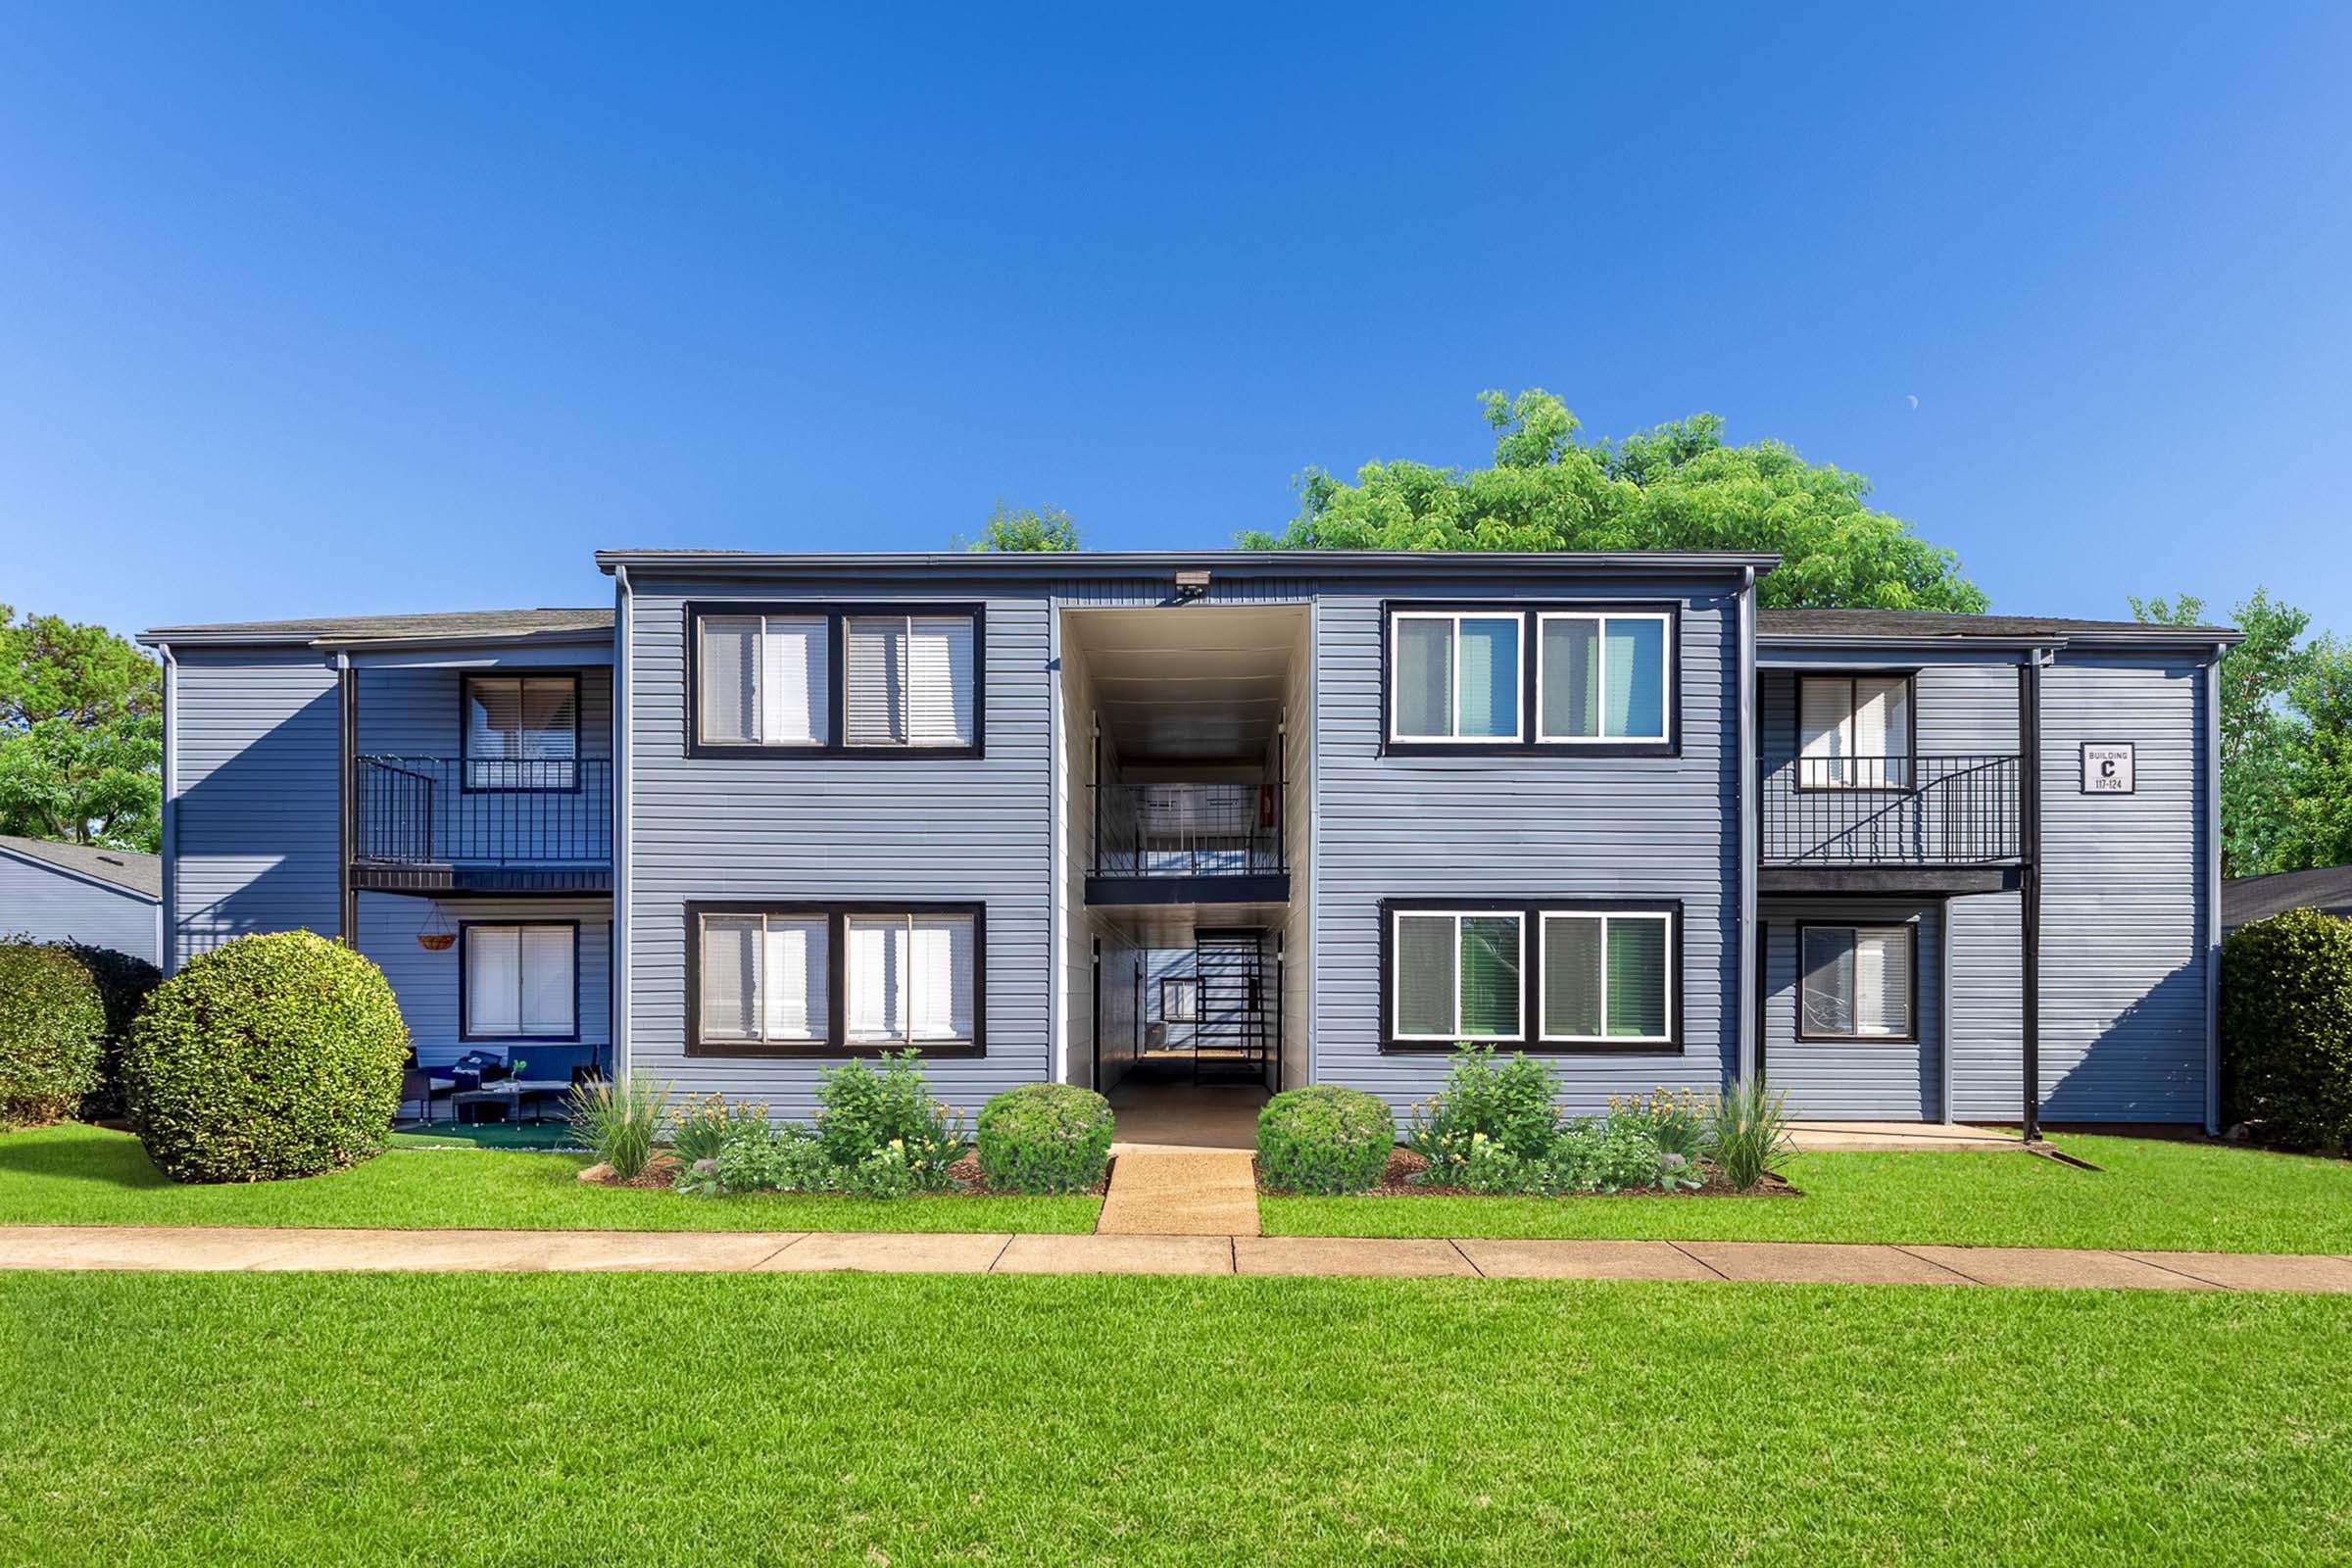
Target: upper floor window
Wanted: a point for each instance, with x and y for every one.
(1601, 678)
(837, 679)
(1854, 732)
(523, 732)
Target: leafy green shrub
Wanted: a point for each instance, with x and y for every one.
(2286, 1029)
(1677, 1119)
(269, 1057)
(1618, 1153)
(755, 1157)
(1045, 1137)
(1748, 1133)
(865, 1112)
(1508, 1103)
(1325, 1138)
(52, 1031)
(703, 1127)
(619, 1120)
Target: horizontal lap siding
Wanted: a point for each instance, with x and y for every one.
(50, 906)
(2123, 969)
(1853, 1079)
(427, 982)
(841, 827)
(416, 711)
(1988, 1025)
(256, 815)
(1527, 826)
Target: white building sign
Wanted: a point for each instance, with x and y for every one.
(2107, 767)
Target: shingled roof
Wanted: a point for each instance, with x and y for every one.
(127, 869)
(1931, 623)
(2246, 899)
(457, 624)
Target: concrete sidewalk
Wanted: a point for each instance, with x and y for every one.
(216, 1248)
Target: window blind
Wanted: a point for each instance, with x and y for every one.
(1424, 676)
(1572, 976)
(521, 732)
(1606, 976)
(1856, 981)
(1570, 649)
(1489, 696)
(728, 679)
(794, 680)
(547, 979)
(1425, 976)
(519, 980)
(730, 990)
(911, 978)
(793, 979)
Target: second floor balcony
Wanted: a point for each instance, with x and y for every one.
(1186, 843)
(472, 824)
(1892, 812)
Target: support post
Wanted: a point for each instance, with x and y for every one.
(2029, 817)
(1750, 1044)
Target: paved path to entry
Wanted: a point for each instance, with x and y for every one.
(1197, 1191)
(212, 1249)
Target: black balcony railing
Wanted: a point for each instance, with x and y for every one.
(449, 810)
(1892, 810)
(1187, 830)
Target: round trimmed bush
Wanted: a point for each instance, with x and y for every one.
(2287, 1028)
(1045, 1137)
(52, 1033)
(1325, 1138)
(125, 982)
(269, 1057)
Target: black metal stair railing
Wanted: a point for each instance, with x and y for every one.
(448, 810)
(1892, 810)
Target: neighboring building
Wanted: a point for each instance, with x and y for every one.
(78, 893)
(1282, 817)
(2248, 899)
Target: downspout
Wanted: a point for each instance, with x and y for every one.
(2029, 810)
(623, 792)
(1058, 837)
(347, 898)
(167, 912)
(2213, 890)
(1749, 849)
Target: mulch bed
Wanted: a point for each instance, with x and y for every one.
(1404, 1165)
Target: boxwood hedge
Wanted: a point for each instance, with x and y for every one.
(1045, 1137)
(271, 1055)
(2286, 1029)
(52, 1031)
(1325, 1138)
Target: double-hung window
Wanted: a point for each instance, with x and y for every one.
(816, 979)
(1854, 732)
(1456, 975)
(1538, 678)
(1607, 976)
(835, 679)
(1857, 981)
(520, 981)
(523, 732)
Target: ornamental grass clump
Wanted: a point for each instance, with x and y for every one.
(1325, 1138)
(53, 1031)
(1045, 1137)
(619, 1120)
(1748, 1133)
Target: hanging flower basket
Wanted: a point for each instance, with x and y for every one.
(436, 935)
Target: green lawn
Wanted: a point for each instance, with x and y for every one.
(858, 1420)
(2149, 1193)
(75, 1175)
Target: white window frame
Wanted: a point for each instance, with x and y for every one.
(572, 937)
(1518, 734)
(1397, 917)
(1666, 674)
(1906, 931)
(1664, 917)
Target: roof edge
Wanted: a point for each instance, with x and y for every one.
(1250, 562)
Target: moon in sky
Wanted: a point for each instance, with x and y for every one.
(1911, 398)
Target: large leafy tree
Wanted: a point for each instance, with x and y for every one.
(2319, 803)
(1678, 487)
(1030, 529)
(81, 734)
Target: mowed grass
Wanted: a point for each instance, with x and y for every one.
(572, 1420)
(2148, 1193)
(78, 1175)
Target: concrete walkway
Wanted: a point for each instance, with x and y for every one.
(214, 1250)
(1195, 1191)
(1819, 1135)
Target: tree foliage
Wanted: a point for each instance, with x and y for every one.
(81, 736)
(1676, 487)
(1030, 530)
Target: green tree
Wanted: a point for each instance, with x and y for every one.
(1676, 487)
(2319, 797)
(1028, 530)
(81, 734)
(2263, 732)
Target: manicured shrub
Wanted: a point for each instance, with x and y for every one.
(1508, 1103)
(1045, 1137)
(619, 1120)
(1325, 1138)
(269, 1057)
(863, 1112)
(1748, 1133)
(52, 1031)
(2286, 1029)
(125, 982)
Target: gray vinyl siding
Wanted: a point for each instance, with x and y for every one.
(427, 982)
(416, 711)
(1986, 1036)
(842, 828)
(48, 905)
(1525, 826)
(257, 819)
(1853, 1080)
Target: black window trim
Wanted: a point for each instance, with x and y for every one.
(465, 1032)
(465, 756)
(1797, 727)
(1530, 742)
(836, 914)
(1909, 1037)
(837, 614)
(1168, 980)
(1531, 976)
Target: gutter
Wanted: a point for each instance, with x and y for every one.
(1236, 563)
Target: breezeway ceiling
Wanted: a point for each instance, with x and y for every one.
(1189, 683)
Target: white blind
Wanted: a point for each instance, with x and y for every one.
(730, 999)
(911, 978)
(1883, 982)
(794, 681)
(547, 979)
(1826, 722)
(521, 732)
(728, 679)
(493, 979)
(793, 978)
(875, 692)
(939, 680)
(877, 972)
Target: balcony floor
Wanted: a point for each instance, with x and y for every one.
(482, 881)
(1932, 880)
(1268, 887)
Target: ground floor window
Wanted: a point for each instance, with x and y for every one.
(1858, 982)
(1606, 976)
(1456, 975)
(1563, 974)
(833, 978)
(519, 982)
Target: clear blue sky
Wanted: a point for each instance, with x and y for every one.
(335, 309)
